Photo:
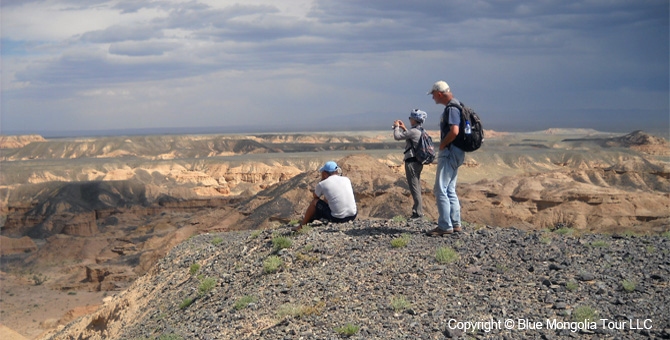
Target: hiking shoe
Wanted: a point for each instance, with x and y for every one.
(415, 216)
(457, 229)
(439, 232)
(296, 228)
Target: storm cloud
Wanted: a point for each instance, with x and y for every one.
(262, 65)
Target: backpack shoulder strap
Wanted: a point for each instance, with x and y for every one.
(411, 143)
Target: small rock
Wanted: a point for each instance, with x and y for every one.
(554, 266)
(560, 305)
(585, 276)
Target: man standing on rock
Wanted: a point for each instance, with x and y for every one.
(449, 159)
(338, 205)
(413, 167)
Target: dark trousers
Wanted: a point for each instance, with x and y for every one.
(413, 173)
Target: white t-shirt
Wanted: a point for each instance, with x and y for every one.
(338, 192)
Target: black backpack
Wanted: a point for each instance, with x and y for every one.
(470, 132)
(424, 151)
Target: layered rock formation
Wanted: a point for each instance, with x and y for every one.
(15, 142)
(107, 221)
(610, 199)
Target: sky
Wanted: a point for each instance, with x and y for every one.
(318, 65)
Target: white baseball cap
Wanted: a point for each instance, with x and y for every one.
(440, 86)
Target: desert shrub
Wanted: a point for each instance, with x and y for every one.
(170, 337)
(306, 258)
(206, 285)
(281, 242)
(564, 231)
(666, 234)
(399, 218)
(304, 230)
(399, 303)
(628, 285)
(572, 286)
(502, 268)
(187, 302)
(545, 240)
(272, 264)
(194, 269)
(600, 244)
(348, 330)
(293, 222)
(584, 313)
(244, 301)
(446, 255)
(255, 234)
(39, 279)
(217, 240)
(650, 249)
(631, 233)
(298, 311)
(400, 241)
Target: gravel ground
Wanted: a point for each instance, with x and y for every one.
(383, 280)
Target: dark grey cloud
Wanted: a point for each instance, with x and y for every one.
(513, 58)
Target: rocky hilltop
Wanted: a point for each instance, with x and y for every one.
(385, 280)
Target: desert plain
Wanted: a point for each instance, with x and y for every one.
(83, 218)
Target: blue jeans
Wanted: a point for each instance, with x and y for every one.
(448, 206)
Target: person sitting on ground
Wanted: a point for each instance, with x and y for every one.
(338, 205)
(413, 167)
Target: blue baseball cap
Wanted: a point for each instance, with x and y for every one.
(330, 166)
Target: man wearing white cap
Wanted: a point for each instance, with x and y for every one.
(338, 204)
(449, 158)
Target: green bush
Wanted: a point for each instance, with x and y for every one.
(244, 301)
(298, 311)
(399, 218)
(446, 255)
(272, 264)
(255, 234)
(281, 242)
(564, 231)
(572, 286)
(584, 313)
(399, 303)
(600, 244)
(206, 285)
(348, 330)
(194, 269)
(304, 230)
(628, 286)
(217, 240)
(187, 302)
(400, 241)
(39, 279)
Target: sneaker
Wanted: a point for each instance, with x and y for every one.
(457, 229)
(415, 216)
(439, 232)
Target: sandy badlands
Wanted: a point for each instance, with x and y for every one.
(83, 218)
